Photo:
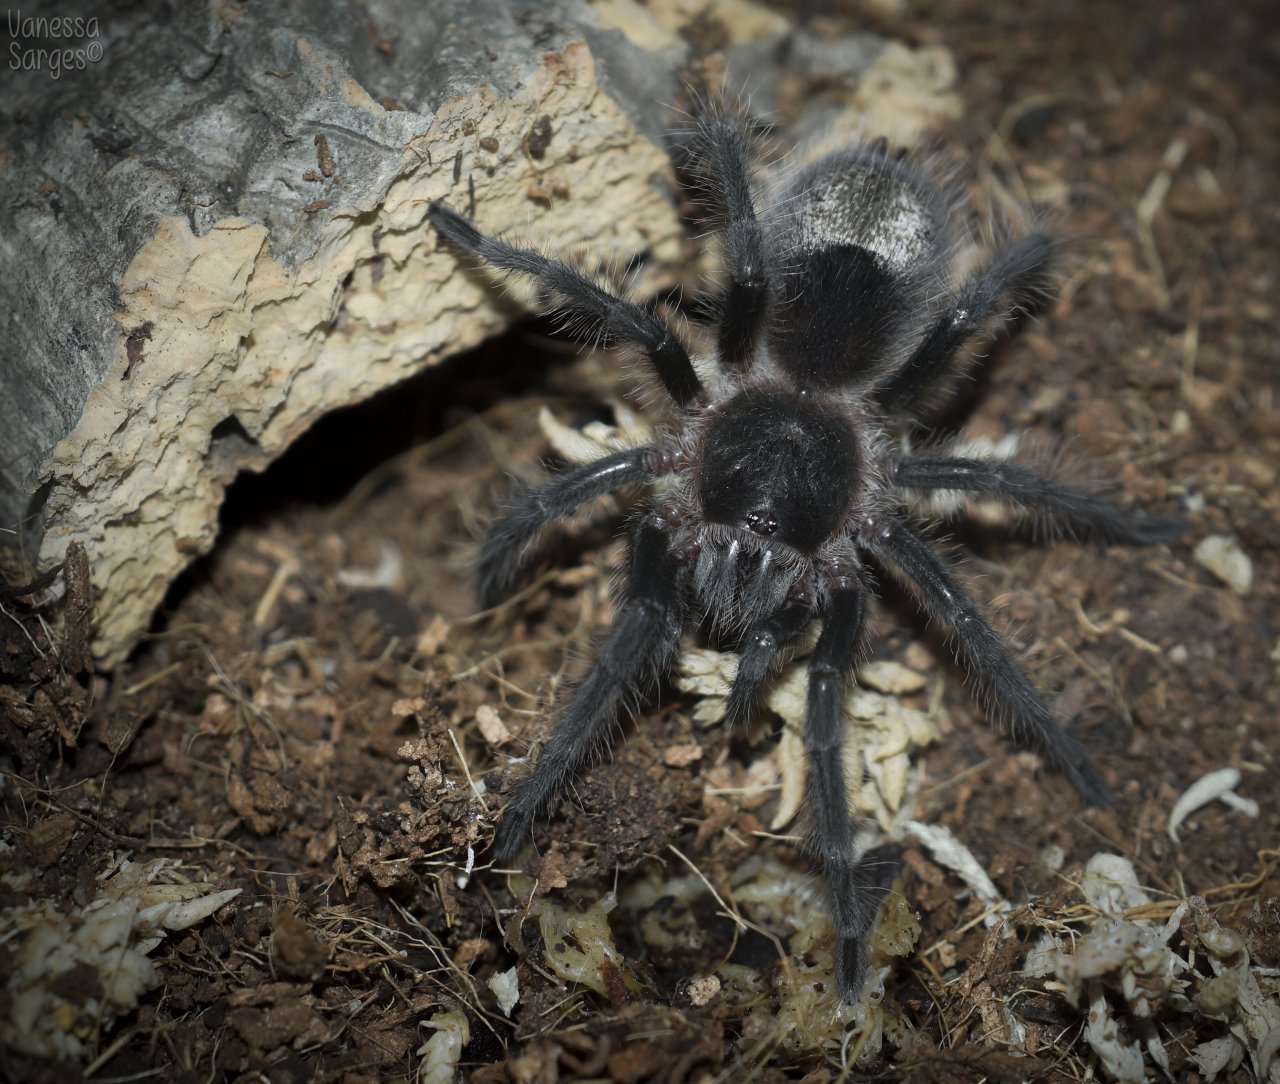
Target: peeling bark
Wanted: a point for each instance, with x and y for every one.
(216, 233)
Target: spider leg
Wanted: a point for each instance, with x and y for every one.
(593, 312)
(506, 550)
(645, 635)
(759, 653)
(1020, 273)
(858, 883)
(1078, 512)
(721, 158)
(977, 645)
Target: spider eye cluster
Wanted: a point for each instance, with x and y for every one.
(779, 466)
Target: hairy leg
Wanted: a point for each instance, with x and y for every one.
(645, 635)
(1018, 276)
(759, 655)
(979, 648)
(719, 158)
(506, 551)
(1063, 506)
(858, 883)
(592, 311)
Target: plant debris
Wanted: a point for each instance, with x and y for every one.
(73, 974)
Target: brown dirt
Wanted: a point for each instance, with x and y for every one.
(307, 737)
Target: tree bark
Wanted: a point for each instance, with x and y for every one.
(212, 227)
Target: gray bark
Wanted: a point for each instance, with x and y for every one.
(212, 227)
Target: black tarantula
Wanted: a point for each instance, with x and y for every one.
(789, 471)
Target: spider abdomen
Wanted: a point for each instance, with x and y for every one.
(865, 243)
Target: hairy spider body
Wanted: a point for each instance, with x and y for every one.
(870, 244)
(787, 475)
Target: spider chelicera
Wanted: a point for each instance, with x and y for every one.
(787, 474)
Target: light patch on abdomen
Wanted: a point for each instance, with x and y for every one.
(875, 212)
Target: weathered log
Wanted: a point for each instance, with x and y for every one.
(212, 230)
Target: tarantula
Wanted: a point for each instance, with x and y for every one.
(788, 470)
